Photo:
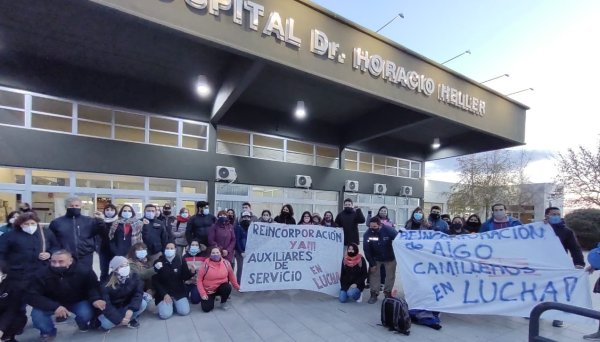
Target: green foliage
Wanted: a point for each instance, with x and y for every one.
(586, 225)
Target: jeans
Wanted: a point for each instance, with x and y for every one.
(42, 320)
(353, 293)
(224, 290)
(193, 293)
(107, 324)
(375, 278)
(182, 307)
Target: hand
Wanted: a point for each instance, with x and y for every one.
(225, 252)
(99, 304)
(61, 312)
(192, 268)
(44, 256)
(158, 265)
(202, 248)
(145, 221)
(204, 297)
(168, 299)
(243, 254)
(128, 314)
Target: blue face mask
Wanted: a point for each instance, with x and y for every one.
(215, 257)
(149, 215)
(418, 216)
(141, 254)
(554, 219)
(194, 250)
(222, 220)
(169, 253)
(126, 214)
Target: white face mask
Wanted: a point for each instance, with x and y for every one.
(109, 213)
(124, 271)
(205, 211)
(29, 229)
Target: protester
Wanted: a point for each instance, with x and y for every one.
(265, 216)
(154, 233)
(382, 213)
(590, 269)
(231, 216)
(247, 207)
(377, 245)
(75, 232)
(473, 223)
(103, 241)
(446, 218)
(125, 231)
(316, 219)
(417, 220)
(194, 261)
(24, 208)
(435, 221)
(169, 284)
(138, 262)
(222, 234)
(349, 219)
(354, 274)
(123, 294)
(10, 220)
(499, 219)
(12, 318)
(199, 224)
(178, 230)
(306, 218)
(457, 227)
(328, 220)
(64, 288)
(241, 235)
(216, 279)
(169, 219)
(286, 216)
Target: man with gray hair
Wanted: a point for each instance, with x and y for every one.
(76, 232)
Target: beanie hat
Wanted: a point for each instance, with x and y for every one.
(594, 257)
(116, 262)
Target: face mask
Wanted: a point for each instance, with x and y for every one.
(352, 254)
(266, 218)
(167, 213)
(12, 220)
(456, 226)
(418, 216)
(59, 270)
(109, 213)
(149, 215)
(215, 257)
(169, 253)
(473, 224)
(73, 212)
(29, 229)
(230, 218)
(327, 219)
(194, 250)
(499, 215)
(348, 209)
(435, 216)
(554, 219)
(141, 254)
(245, 224)
(285, 213)
(185, 215)
(124, 271)
(222, 220)
(25, 210)
(205, 211)
(126, 214)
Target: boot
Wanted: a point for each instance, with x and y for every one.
(593, 337)
(373, 298)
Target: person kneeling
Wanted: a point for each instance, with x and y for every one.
(354, 274)
(169, 284)
(214, 280)
(123, 293)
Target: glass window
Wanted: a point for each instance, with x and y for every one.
(391, 171)
(298, 194)
(415, 166)
(404, 173)
(10, 99)
(261, 140)
(379, 169)
(327, 162)
(128, 183)
(391, 162)
(94, 129)
(415, 174)
(94, 113)
(299, 208)
(52, 123)
(232, 189)
(231, 148)
(195, 143)
(350, 165)
(130, 119)
(379, 160)
(364, 198)
(190, 205)
(299, 158)
(296, 146)
(193, 187)
(54, 178)
(405, 164)
(160, 201)
(46, 105)
(163, 124)
(267, 153)
(12, 117)
(136, 203)
(365, 157)
(129, 134)
(390, 200)
(378, 199)
(327, 151)
(91, 180)
(196, 129)
(350, 155)
(163, 184)
(161, 138)
(321, 209)
(267, 191)
(233, 136)
(326, 196)
(12, 175)
(413, 202)
(365, 167)
(352, 196)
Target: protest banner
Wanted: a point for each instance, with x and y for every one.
(501, 272)
(283, 257)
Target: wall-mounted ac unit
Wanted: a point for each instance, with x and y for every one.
(379, 189)
(406, 191)
(351, 186)
(303, 181)
(225, 173)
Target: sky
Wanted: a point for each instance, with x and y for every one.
(550, 46)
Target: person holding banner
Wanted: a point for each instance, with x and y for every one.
(354, 274)
(473, 223)
(265, 216)
(328, 220)
(457, 226)
(306, 218)
(316, 219)
(286, 216)
(417, 220)
(349, 219)
(499, 219)
(216, 278)
(241, 235)
(435, 221)
(377, 244)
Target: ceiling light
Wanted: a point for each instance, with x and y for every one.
(436, 143)
(300, 112)
(202, 86)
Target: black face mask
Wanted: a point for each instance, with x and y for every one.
(73, 212)
(285, 213)
(456, 226)
(353, 254)
(245, 224)
(167, 213)
(25, 210)
(435, 216)
(473, 224)
(59, 270)
(348, 209)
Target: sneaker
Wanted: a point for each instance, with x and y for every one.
(373, 298)
(558, 324)
(225, 306)
(84, 328)
(134, 324)
(593, 337)
(47, 338)
(359, 300)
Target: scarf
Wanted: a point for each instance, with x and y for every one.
(136, 225)
(353, 261)
(110, 220)
(181, 219)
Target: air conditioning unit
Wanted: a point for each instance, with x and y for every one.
(351, 186)
(303, 181)
(406, 191)
(225, 173)
(379, 189)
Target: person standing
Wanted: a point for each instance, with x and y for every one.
(417, 220)
(247, 207)
(178, 230)
(377, 245)
(265, 216)
(199, 225)
(169, 219)
(435, 221)
(473, 223)
(222, 234)
(499, 219)
(154, 233)
(10, 220)
(328, 220)
(349, 219)
(124, 232)
(286, 216)
(241, 236)
(457, 226)
(306, 218)
(104, 252)
(194, 261)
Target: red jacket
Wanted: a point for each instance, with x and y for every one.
(213, 274)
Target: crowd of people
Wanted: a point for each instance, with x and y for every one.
(168, 262)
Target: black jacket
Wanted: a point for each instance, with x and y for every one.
(121, 243)
(170, 278)
(154, 235)
(49, 289)
(350, 221)
(569, 242)
(76, 233)
(21, 252)
(198, 226)
(354, 275)
(10, 307)
(126, 296)
(289, 219)
(169, 222)
(377, 244)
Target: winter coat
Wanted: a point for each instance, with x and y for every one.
(10, 306)
(103, 236)
(354, 275)
(178, 231)
(384, 222)
(198, 227)
(126, 296)
(438, 225)
(154, 235)
(241, 235)
(121, 243)
(569, 242)
(144, 272)
(349, 221)
(489, 224)
(170, 278)
(288, 219)
(76, 233)
(222, 235)
(169, 222)
(21, 251)
(195, 261)
(377, 244)
(50, 289)
(416, 225)
(213, 274)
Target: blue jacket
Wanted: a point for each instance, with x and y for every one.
(438, 225)
(377, 244)
(241, 235)
(489, 224)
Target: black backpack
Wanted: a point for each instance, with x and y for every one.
(394, 315)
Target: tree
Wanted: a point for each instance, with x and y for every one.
(488, 178)
(586, 225)
(579, 172)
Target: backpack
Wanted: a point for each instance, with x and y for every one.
(394, 315)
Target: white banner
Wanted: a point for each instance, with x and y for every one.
(283, 257)
(502, 272)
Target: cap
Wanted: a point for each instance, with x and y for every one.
(167, 206)
(246, 213)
